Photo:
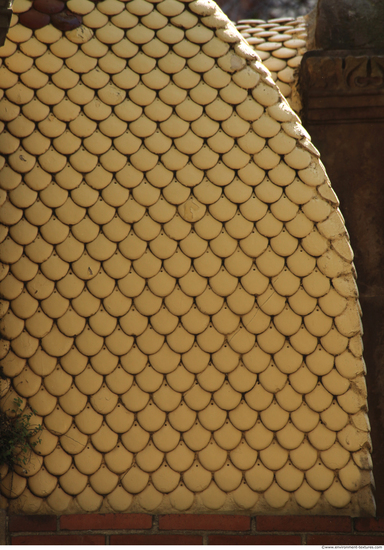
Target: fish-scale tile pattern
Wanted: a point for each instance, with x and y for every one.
(180, 308)
(280, 44)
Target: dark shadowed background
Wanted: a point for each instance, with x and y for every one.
(265, 9)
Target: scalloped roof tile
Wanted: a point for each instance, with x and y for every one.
(178, 278)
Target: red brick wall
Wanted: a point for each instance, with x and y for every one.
(193, 529)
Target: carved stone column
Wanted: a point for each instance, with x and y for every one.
(342, 84)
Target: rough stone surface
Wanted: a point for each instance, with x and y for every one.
(2, 526)
(260, 9)
(355, 25)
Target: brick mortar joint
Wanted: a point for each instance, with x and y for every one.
(210, 531)
(155, 524)
(154, 530)
(203, 532)
(105, 532)
(253, 525)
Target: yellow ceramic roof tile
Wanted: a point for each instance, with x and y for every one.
(238, 261)
(165, 479)
(111, 94)
(19, 33)
(314, 243)
(303, 341)
(164, 322)
(118, 419)
(287, 322)
(94, 48)
(225, 359)
(55, 305)
(8, 143)
(180, 341)
(48, 34)
(10, 79)
(58, 421)
(58, 462)
(104, 362)
(319, 399)
(103, 482)
(343, 247)
(101, 248)
(243, 417)
(28, 381)
(225, 321)
(42, 483)
(102, 323)
(73, 482)
(267, 159)
(334, 342)
(119, 460)
(197, 438)
(18, 125)
(348, 365)
(289, 477)
(276, 497)
(197, 398)
(39, 250)
(24, 305)
(116, 230)
(352, 402)
(85, 303)
(41, 363)
(34, 78)
(38, 286)
(337, 496)
(47, 444)
(151, 418)
(24, 269)
(50, 94)
(135, 480)
(104, 439)
(258, 437)
(65, 110)
(95, 79)
(22, 233)
(39, 324)
(208, 264)
(73, 402)
(335, 456)
(272, 380)
(80, 94)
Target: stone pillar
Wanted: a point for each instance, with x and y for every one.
(342, 84)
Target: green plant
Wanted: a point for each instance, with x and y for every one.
(15, 432)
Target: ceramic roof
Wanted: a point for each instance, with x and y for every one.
(280, 44)
(179, 298)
